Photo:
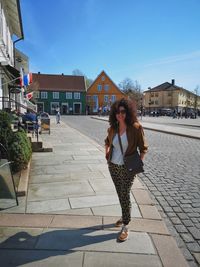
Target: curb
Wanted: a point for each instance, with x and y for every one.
(157, 130)
(23, 182)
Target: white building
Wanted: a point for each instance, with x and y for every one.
(11, 31)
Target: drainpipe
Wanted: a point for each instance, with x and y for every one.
(22, 33)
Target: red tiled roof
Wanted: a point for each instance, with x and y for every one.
(54, 82)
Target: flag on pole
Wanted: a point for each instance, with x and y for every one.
(26, 79)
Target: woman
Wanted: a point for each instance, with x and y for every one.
(123, 120)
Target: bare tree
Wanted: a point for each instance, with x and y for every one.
(132, 89)
(196, 91)
(78, 72)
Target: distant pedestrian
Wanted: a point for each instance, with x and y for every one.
(57, 115)
(123, 122)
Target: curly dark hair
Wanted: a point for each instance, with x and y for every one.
(130, 112)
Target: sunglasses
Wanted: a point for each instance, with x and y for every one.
(121, 111)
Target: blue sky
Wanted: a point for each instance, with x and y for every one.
(151, 41)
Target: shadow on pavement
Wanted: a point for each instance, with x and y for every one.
(22, 247)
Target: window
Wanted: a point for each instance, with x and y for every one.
(156, 94)
(44, 95)
(169, 93)
(37, 94)
(103, 78)
(55, 95)
(113, 98)
(77, 95)
(106, 87)
(99, 87)
(106, 98)
(156, 102)
(152, 94)
(68, 95)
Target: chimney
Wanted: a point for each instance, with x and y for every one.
(62, 74)
(173, 82)
(38, 72)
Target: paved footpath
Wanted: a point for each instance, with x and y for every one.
(67, 218)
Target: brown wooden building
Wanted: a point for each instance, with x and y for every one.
(102, 93)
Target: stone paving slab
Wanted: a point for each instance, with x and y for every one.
(47, 205)
(142, 196)
(168, 251)
(92, 240)
(94, 201)
(101, 259)
(141, 225)
(149, 212)
(58, 190)
(19, 238)
(103, 185)
(62, 221)
(84, 211)
(43, 258)
(25, 220)
(9, 205)
(115, 210)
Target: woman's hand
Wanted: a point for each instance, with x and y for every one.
(142, 156)
(107, 156)
(107, 153)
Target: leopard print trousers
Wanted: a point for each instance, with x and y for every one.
(123, 182)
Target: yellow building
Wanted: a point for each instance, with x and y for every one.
(102, 93)
(168, 97)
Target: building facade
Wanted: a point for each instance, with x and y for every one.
(10, 27)
(170, 97)
(102, 93)
(12, 61)
(66, 92)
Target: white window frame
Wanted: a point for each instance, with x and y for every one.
(74, 107)
(56, 95)
(77, 95)
(113, 98)
(68, 95)
(37, 94)
(44, 94)
(99, 87)
(103, 78)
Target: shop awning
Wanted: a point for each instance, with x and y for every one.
(13, 73)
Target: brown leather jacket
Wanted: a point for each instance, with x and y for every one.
(135, 136)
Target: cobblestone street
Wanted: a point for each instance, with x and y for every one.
(172, 175)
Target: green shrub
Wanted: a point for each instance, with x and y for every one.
(5, 129)
(17, 143)
(20, 150)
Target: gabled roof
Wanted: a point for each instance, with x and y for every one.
(165, 87)
(55, 82)
(104, 73)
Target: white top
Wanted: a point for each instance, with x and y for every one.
(117, 157)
